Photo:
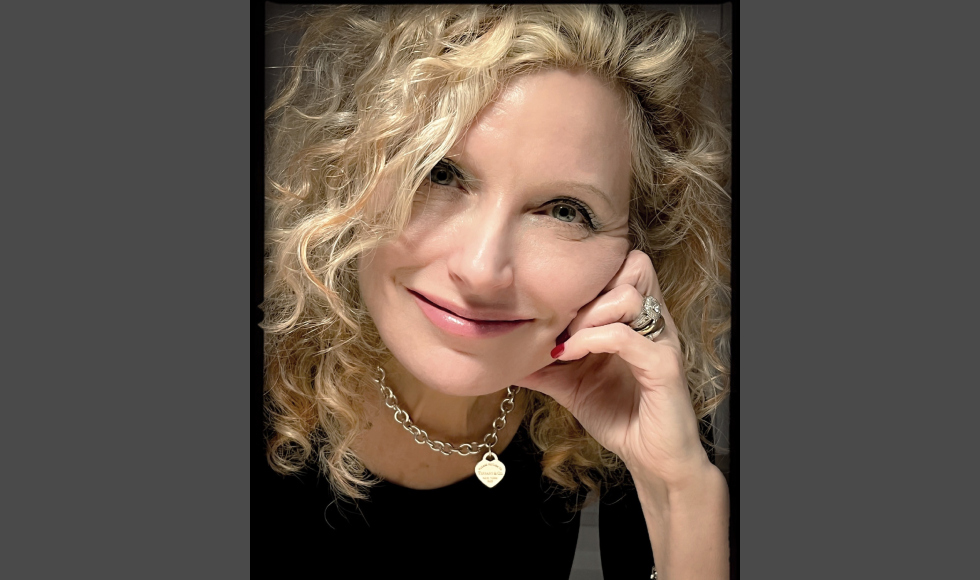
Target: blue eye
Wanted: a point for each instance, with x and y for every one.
(572, 212)
(564, 212)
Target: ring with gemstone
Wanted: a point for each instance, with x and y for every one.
(648, 315)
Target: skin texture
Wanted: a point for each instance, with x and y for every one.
(493, 245)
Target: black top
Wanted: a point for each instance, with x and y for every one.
(520, 528)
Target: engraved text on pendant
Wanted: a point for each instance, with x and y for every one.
(491, 471)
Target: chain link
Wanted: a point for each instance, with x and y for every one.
(421, 437)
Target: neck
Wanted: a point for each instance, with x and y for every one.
(449, 418)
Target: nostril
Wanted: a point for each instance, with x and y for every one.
(482, 274)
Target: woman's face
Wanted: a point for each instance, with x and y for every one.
(522, 224)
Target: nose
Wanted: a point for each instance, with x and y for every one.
(482, 259)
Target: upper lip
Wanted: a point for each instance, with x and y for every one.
(474, 314)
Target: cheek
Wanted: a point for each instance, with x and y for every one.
(367, 279)
(433, 221)
(380, 270)
(374, 269)
(571, 275)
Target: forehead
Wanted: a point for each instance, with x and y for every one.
(553, 126)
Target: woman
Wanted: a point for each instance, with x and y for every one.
(497, 261)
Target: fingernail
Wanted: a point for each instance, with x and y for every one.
(556, 352)
(562, 337)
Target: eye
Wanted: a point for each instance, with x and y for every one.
(442, 174)
(564, 212)
(572, 212)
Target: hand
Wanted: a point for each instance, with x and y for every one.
(628, 392)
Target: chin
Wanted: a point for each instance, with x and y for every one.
(461, 374)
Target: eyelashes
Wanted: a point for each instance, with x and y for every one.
(445, 171)
(588, 216)
(563, 210)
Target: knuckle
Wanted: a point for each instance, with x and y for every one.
(623, 332)
(626, 297)
(640, 260)
(636, 300)
(642, 266)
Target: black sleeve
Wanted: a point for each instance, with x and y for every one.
(624, 543)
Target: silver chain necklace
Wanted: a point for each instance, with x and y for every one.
(490, 470)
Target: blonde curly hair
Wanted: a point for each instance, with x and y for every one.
(383, 93)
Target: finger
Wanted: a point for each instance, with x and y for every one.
(653, 361)
(621, 304)
(637, 271)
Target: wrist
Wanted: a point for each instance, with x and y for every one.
(679, 476)
(688, 524)
(701, 487)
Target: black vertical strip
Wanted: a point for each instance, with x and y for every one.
(733, 408)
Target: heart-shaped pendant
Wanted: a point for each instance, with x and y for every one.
(490, 471)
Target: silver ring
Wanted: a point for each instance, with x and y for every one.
(653, 329)
(650, 313)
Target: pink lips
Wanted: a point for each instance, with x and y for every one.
(453, 323)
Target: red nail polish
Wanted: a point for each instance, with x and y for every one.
(556, 352)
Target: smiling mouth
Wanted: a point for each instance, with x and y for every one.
(460, 325)
(460, 316)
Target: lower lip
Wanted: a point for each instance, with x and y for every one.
(462, 326)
